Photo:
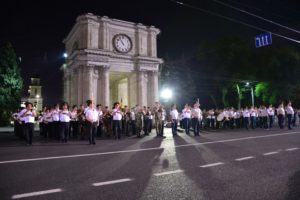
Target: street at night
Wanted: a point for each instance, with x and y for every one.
(234, 165)
(150, 100)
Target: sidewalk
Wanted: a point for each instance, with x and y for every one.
(10, 129)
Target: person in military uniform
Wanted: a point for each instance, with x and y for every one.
(139, 117)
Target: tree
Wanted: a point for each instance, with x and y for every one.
(11, 83)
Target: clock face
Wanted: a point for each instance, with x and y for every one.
(122, 43)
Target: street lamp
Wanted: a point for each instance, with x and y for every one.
(252, 92)
(65, 55)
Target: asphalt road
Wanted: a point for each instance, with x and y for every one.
(228, 165)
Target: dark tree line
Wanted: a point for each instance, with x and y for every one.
(221, 74)
(11, 83)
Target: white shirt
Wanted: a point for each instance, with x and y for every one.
(174, 114)
(21, 114)
(48, 117)
(253, 113)
(264, 112)
(246, 113)
(132, 115)
(290, 110)
(65, 116)
(186, 113)
(280, 111)
(237, 115)
(117, 114)
(55, 115)
(91, 114)
(197, 113)
(270, 112)
(29, 117)
(100, 114)
(163, 115)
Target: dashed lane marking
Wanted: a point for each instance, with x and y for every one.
(169, 172)
(39, 193)
(245, 158)
(145, 149)
(112, 182)
(292, 149)
(212, 165)
(270, 153)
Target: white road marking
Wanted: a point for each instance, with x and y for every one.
(292, 149)
(32, 194)
(244, 158)
(169, 172)
(212, 165)
(146, 149)
(112, 182)
(271, 153)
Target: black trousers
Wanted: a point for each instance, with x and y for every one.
(271, 120)
(265, 122)
(196, 126)
(280, 121)
(246, 122)
(64, 131)
(29, 128)
(91, 129)
(117, 128)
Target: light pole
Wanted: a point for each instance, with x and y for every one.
(252, 92)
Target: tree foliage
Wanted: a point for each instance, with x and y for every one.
(273, 72)
(11, 83)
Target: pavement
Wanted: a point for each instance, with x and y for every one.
(226, 165)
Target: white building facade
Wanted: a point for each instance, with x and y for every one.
(111, 60)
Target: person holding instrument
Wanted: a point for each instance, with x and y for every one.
(29, 117)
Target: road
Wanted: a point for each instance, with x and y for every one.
(225, 165)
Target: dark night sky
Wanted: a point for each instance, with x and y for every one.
(37, 28)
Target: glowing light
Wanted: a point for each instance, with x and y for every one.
(166, 94)
(65, 55)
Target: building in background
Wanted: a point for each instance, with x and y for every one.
(111, 60)
(35, 94)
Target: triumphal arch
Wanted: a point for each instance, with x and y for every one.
(111, 60)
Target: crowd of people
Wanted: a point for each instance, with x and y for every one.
(60, 122)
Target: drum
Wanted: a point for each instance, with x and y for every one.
(220, 117)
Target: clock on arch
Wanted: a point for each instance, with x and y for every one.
(122, 43)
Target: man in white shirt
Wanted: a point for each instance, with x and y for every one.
(186, 114)
(264, 115)
(246, 115)
(174, 116)
(55, 122)
(196, 119)
(290, 114)
(64, 118)
(280, 115)
(92, 120)
(271, 116)
(29, 118)
(117, 120)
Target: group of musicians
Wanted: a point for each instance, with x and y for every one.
(61, 122)
(253, 117)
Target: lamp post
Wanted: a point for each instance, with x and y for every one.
(252, 92)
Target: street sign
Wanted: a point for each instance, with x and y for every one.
(263, 40)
